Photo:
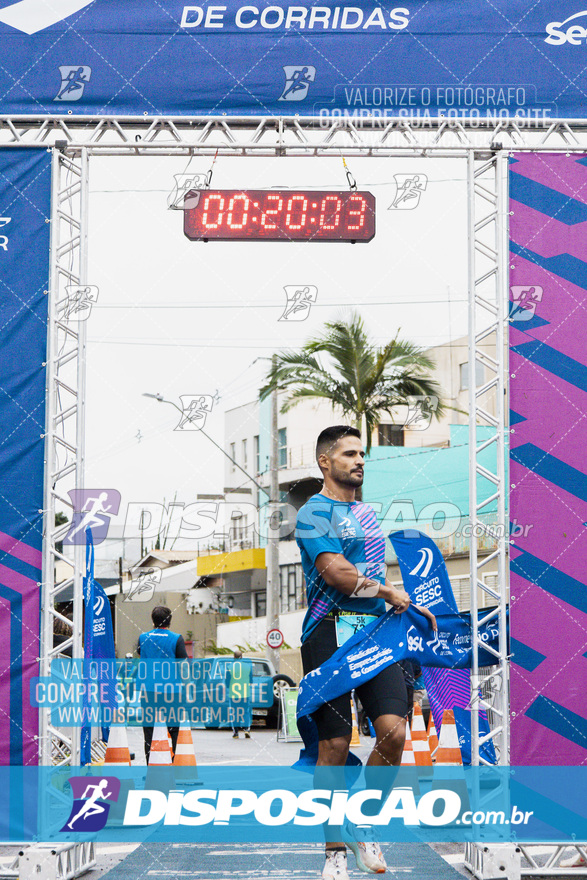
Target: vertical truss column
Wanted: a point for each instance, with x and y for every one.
(487, 242)
(64, 437)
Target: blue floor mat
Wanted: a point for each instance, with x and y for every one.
(202, 861)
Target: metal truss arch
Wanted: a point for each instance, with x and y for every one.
(484, 145)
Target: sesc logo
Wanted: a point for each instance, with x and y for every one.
(575, 34)
(31, 16)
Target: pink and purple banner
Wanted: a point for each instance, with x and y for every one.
(548, 459)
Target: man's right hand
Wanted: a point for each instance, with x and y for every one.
(396, 597)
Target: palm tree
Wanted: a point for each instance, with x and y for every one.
(365, 380)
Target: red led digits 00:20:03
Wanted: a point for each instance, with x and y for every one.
(279, 215)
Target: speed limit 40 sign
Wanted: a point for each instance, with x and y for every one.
(275, 638)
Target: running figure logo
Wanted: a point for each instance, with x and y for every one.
(80, 299)
(421, 408)
(92, 508)
(182, 198)
(409, 188)
(90, 808)
(524, 301)
(73, 82)
(195, 409)
(143, 586)
(297, 82)
(299, 301)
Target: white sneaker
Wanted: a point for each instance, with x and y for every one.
(576, 861)
(367, 850)
(335, 866)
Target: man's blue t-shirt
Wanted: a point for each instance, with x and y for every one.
(351, 529)
(158, 644)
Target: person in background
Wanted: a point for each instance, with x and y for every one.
(240, 681)
(160, 643)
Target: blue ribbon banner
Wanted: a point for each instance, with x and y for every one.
(394, 637)
(415, 61)
(386, 640)
(98, 645)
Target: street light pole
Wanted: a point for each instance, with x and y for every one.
(272, 600)
(273, 585)
(160, 399)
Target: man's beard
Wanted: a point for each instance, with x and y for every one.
(344, 478)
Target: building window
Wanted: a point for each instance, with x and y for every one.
(257, 454)
(282, 443)
(260, 604)
(291, 587)
(245, 455)
(390, 435)
(233, 455)
(479, 375)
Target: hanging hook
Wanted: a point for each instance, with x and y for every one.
(211, 171)
(351, 180)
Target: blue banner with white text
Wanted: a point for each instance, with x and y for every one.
(386, 640)
(416, 60)
(276, 804)
(25, 192)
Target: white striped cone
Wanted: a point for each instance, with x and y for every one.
(420, 740)
(184, 761)
(160, 755)
(408, 759)
(449, 751)
(432, 736)
(117, 752)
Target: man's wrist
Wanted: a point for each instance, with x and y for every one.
(366, 588)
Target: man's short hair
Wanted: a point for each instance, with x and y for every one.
(329, 437)
(161, 616)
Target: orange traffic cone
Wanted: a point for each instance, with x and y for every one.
(432, 737)
(408, 773)
(184, 761)
(117, 753)
(420, 741)
(355, 740)
(448, 752)
(160, 754)
(160, 770)
(408, 758)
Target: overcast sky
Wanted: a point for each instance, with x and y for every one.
(180, 317)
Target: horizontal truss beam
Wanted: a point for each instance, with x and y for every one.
(289, 135)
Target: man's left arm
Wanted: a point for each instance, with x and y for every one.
(180, 650)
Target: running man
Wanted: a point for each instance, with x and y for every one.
(91, 808)
(73, 82)
(343, 556)
(92, 518)
(299, 80)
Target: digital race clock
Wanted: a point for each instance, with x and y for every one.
(279, 215)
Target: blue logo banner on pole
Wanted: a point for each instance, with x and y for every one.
(426, 580)
(423, 571)
(416, 61)
(98, 645)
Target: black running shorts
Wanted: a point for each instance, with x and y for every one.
(385, 694)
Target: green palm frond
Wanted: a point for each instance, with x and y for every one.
(343, 366)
